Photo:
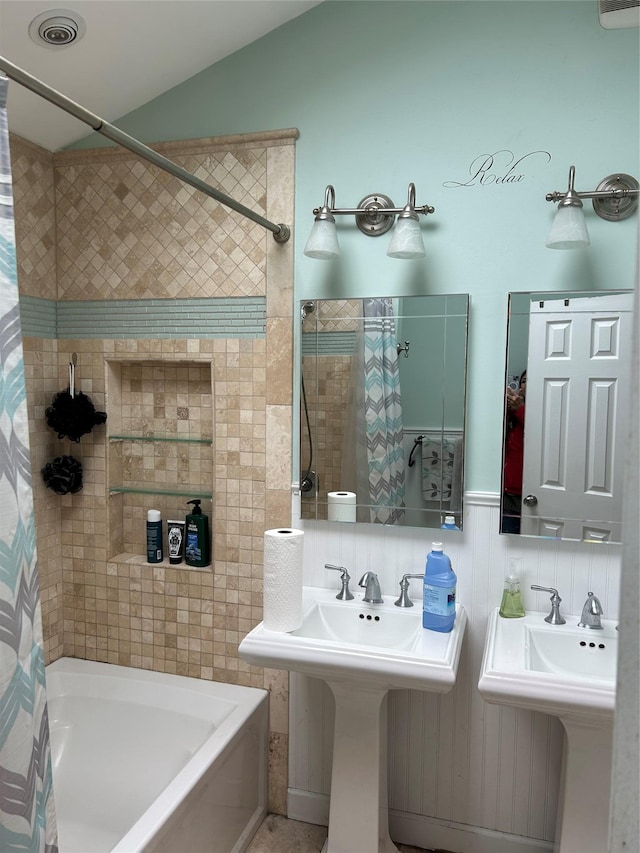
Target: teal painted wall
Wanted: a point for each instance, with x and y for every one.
(385, 93)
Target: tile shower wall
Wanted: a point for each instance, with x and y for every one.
(126, 231)
(328, 341)
(326, 388)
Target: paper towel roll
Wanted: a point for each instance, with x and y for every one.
(342, 506)
(283, 579)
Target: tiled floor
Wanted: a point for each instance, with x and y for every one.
(278, 834)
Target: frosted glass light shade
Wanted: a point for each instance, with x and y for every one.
(407, 239)
(569, 229)
(323, 241)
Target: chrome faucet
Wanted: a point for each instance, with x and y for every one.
(554, 618)
(371, 586)
(591, 613)
(345, 593)
(404, 600)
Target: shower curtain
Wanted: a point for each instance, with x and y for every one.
(375, 467)
(27, 815)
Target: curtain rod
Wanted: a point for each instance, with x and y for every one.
(281, 232)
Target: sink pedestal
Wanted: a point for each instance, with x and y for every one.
(584, 814)
(358, 810)
(361, 650)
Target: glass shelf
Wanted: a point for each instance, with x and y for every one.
(160, 438)
(188, 491)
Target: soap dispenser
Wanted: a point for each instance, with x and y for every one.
(196, 552)
(511, 606)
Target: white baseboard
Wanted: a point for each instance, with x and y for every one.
(421, 831)
(308, 807)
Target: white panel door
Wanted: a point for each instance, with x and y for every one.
(576, 417)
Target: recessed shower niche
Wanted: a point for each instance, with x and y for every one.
(160, 446)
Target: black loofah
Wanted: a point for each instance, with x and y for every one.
(63, 475)
(72, 417)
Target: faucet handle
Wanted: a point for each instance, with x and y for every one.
(404, 600)
(345, 593)
(554, 618)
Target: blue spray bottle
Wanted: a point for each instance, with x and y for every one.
(439, 591)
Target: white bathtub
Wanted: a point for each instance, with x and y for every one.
(144, 761)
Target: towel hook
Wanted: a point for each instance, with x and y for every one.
(416, 442)
(72, 374)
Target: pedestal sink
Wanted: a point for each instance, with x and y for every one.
(362, 651)
(569, 672)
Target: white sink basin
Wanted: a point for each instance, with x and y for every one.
(573, 655)
(568, 672)
(399, 629)
(380, 644)
(557, 669)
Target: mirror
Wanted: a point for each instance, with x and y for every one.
(565, 425)
(382, 407)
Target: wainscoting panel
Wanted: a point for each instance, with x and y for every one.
(463, 774)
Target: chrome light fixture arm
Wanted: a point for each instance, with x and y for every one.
(359, 211)
(615, 197)
(375, 213)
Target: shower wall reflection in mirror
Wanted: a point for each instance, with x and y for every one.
(566, 414)
(382, 401)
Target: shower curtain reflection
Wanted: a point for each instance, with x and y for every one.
(373, 464)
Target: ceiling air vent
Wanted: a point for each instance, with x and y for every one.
(57, 28)
(619, 14)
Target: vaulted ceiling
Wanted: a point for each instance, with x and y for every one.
(132, 51)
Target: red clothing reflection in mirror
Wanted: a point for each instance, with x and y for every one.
(514, 452)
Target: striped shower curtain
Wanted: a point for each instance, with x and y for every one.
(383, 413)
(27, 816)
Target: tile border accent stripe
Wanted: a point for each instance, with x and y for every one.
(38, 317)
(328, 343)
(230, 317)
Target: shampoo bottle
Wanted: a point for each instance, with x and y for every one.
(439, 591)
(449, 523)
(511, 606)
(196, 552)
(154, 536)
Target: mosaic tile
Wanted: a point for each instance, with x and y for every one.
(125, 233)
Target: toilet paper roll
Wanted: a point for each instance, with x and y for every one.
(283, 579)
(342, 506)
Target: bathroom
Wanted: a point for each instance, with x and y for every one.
(379, 99)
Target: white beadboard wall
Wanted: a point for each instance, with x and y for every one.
(464, 775)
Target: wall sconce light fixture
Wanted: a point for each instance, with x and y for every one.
(615, 197)
(374, 215)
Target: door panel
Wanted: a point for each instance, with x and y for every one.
(577, 379)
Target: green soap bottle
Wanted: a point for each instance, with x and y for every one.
(511, 606)
(196, 552)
